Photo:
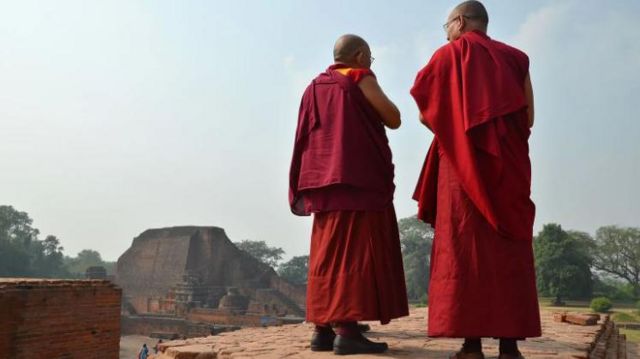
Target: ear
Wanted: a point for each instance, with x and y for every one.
(360, 57)
(462, 23)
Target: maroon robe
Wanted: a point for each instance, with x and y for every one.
(475, 190)
(342, 172)
(341, 156)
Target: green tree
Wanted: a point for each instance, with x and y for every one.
(86, 258)
(16, 226)
(16, 238)
(563, 263)
(21, 253)
(14, 260)
(47, 258)
(601, 304)
(295, 270)
(259, 250)
(416, 238)
(618, 253)
(613, 288)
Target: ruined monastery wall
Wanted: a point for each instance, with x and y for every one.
(59, 318)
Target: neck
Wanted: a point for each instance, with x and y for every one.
(347, 64)
(484, 31)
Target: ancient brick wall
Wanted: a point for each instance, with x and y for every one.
(155, 262)
(224, 318)
(159, 259)
(297, 293)
(147, 325)
(272, 302)
(59, 318)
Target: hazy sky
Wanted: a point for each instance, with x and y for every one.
(119, 116)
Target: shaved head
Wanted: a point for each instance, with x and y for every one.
(475, 13)
(348, 47)
(467, 16)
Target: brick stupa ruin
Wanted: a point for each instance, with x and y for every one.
(185, 280)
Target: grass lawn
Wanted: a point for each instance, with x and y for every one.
(621, 312)
(626, 316)
(633, 335)
(546, 302)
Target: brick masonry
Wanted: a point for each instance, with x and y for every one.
(168, 327)
(170, 271)
(407, 339)
(59, 318)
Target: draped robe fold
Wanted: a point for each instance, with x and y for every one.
(342, 173)
(474, 189)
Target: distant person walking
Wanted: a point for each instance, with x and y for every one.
(144, 352)
(157, 346)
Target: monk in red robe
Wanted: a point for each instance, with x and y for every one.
(342, 173)
(475, 96)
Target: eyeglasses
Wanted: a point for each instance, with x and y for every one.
(446, 24)
(364, 52)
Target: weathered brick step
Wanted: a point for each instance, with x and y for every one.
(406, 338)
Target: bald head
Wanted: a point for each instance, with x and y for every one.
(467, 16)
(352, 50)
(474, 12)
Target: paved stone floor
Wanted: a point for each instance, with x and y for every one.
(633, 350)
(406, 338)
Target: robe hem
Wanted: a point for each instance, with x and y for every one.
(363, 318)
(476, 335)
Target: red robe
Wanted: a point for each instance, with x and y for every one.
(342, 172)
(341, 155)
(475, 190)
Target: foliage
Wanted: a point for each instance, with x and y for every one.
(416, 238)
(624, 317)
(601, 304)
(22, 254)
(563, 262)
(86, 258)
(259, 250)
(47, 258)
(295, 270)
(16, 236)
(618, 254)
(612, 288)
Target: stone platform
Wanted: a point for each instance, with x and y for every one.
(407, 339)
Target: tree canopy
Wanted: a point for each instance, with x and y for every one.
(563, 263)
(22, 254)
(416, 238)
(617, 253)
(259, 250)
(295, 270)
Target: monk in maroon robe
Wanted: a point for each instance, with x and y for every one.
(342, 173)
(475, 96)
